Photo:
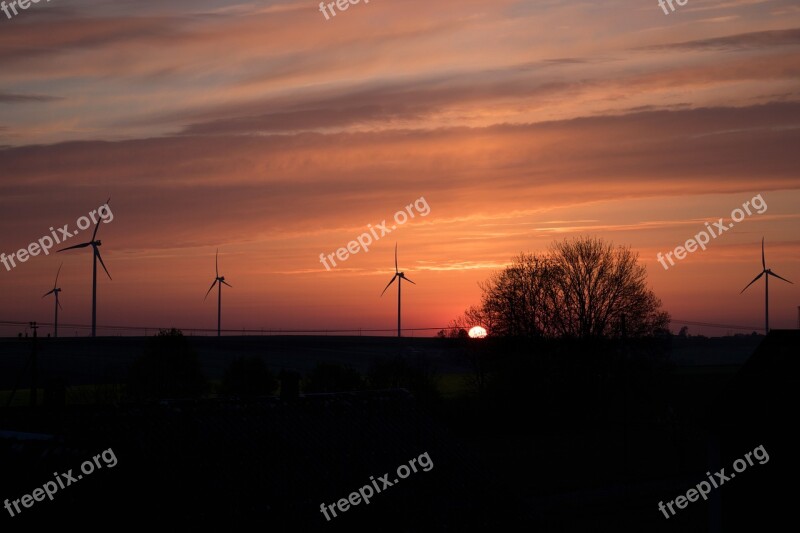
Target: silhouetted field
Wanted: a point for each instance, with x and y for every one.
(553, 436)
(83, 361)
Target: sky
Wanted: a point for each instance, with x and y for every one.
(274, 135)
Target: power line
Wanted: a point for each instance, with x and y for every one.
(325, 331)
(709, 325)
(240, 330)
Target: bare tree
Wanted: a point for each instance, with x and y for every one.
(519, 301)
(604, 291)
(583, 288)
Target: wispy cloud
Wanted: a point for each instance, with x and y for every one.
(9, 98)
(741, 41)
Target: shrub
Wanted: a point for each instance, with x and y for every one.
(168, 369)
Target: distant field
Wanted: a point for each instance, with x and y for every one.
(450, 386)
(84, 361)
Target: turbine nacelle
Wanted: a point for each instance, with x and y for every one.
(52, 291)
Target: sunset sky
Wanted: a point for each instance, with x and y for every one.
(262, 129)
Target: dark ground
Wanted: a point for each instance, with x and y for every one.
(550, 447)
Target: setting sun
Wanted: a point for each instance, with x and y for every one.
(477, 333)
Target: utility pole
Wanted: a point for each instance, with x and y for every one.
(34, 327)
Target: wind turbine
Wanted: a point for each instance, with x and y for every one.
(221, 280)
(96, 253)
(55, 291)
(399, 276)
(769, 273)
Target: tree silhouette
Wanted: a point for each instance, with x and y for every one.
(582, 288)
(169, 368)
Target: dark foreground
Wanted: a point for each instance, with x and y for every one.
(548, 444)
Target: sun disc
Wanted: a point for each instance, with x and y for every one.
(477, 332)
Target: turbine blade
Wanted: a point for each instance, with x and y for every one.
(49, 293)
(226, 283)
(756, 279)
(777, 276)
(405, 278)
(96, 227)
(209, 290)
(59, 305)
(763, 262)
(390, 283)
(216, 263)
(395, 258)
(57, 273)
(97, 254)
(84, 245)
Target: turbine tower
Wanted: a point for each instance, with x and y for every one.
(769, 273)
(400, 277)
(96, 255)
(221, 280)
(55, 290)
